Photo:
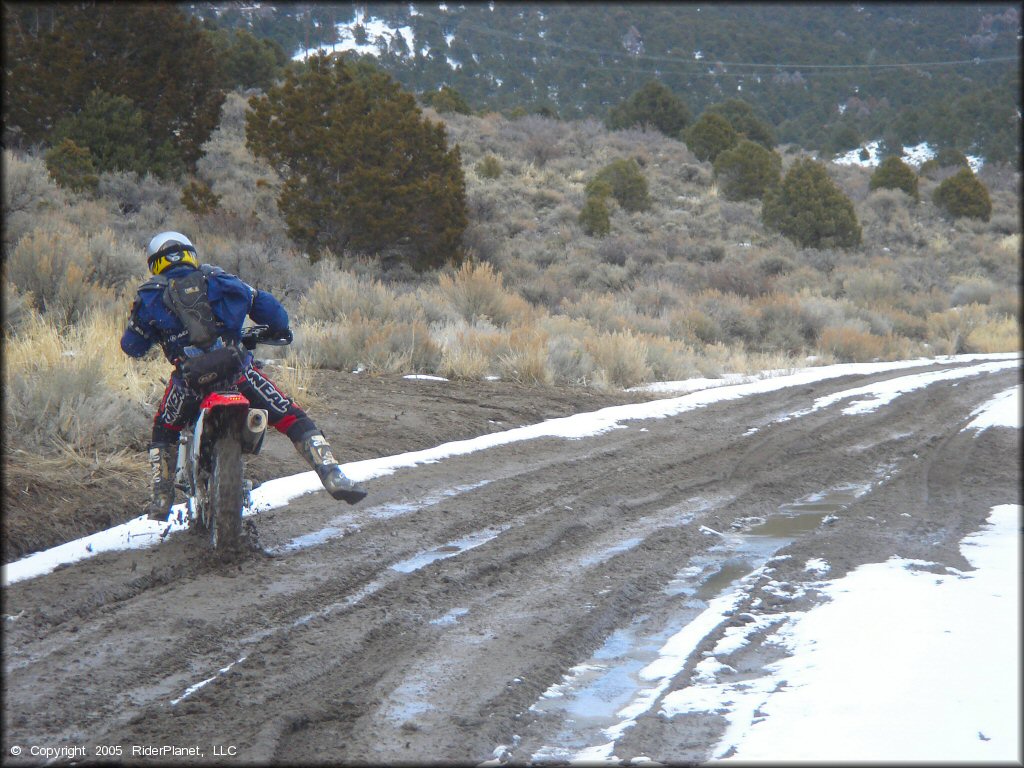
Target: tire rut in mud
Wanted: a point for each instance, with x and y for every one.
(348, 659)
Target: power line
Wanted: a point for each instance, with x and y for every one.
(703, 63)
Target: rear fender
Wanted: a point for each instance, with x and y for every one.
(217, 411)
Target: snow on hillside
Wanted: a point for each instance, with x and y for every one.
(375, 28)
(912, 156)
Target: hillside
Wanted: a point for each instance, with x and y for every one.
(695, 286)
(826, 77)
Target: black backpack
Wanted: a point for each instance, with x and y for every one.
(186, 297)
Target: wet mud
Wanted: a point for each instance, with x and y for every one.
(506, 606)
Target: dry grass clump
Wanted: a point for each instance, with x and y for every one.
(852, 344)
(67, 271)
(620, 359)
(469, 351)
(337, 295)
(524, 357)
(476, 292)
(72, 385)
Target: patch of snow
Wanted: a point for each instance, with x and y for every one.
(1003, 410)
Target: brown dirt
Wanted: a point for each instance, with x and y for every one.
(343, 662)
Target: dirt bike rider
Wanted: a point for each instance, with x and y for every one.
(171, 256)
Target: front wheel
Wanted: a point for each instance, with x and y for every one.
(225, 498)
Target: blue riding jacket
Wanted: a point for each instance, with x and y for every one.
(232, 300)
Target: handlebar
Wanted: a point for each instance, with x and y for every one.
(258, 334)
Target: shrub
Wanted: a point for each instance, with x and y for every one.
(70, 385)
(654, 104)
(198, 198)
(523, 358)
(810, 209)
(620, 359)
(337, 295)
(744, 120)
(28, 186)
(963, 196)
(594, 217)
(447, 99)
(468, 351)
(476, 292)
(489, 167)
(998, 335)
(746, 171)
(71, 166)
(627, 183)
(972, 290)
(893, 173)
(711, 135)
(850, 344)
(55, 264)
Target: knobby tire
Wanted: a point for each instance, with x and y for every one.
(226, 493)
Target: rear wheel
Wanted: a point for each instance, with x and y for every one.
(225, 497)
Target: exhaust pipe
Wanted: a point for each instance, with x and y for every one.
(255, 431)
(257, 420)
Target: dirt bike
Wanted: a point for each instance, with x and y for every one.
(211, 450)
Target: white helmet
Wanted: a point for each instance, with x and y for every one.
(170, 249)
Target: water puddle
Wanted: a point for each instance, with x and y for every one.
(451, 618)
(598, 699)
(349, 523)
(425, 558)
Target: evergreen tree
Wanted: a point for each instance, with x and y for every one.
(447, 100)
(594, 217)
(654, 104)
(810, 209)
(362, 168)
(893, 173)
(111, 128)
(962, 195)
(709, 136)
(625, 182)
(747, 170)
(71, 166)
(150, 53)
(247, 61)
(745, 122)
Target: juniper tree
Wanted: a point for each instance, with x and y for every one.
(745, 122)
(809, 209)
(363, 170)
(962, 195)
(149, 53)
(893, 173)
(709, 136)
(654, 104)
(747, 170)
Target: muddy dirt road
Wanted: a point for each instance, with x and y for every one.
(427, 623)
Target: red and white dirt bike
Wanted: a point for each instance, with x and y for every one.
(212, 450)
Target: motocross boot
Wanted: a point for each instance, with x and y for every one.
(315, 449)
(163, 461)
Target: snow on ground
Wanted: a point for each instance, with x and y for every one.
(142, 532)
(912, 155)
(347, 42)
(900, 664)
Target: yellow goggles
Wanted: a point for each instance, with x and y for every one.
(174, 259)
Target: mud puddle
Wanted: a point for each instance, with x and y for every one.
(347, 524)
(598, 699)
